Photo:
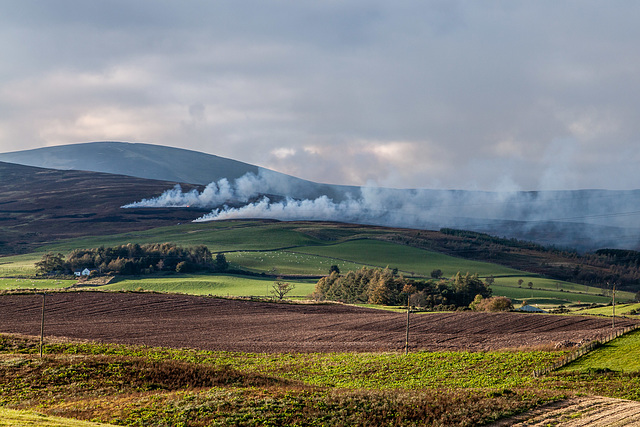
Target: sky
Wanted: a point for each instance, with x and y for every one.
(491, 95)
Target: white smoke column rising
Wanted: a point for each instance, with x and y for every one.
(214, 194)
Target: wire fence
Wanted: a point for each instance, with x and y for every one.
(582, 350)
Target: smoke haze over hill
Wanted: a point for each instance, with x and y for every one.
(584, 219)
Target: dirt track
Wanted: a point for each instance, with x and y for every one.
(580, 412)
(217, 324)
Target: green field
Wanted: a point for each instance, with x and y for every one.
(409, 260)
(276, 248)
(540, 296)
(218, 236)
(25, 283)
(219, 285)
(286, 262)
(621, 309)
(620, 355)
(19, 265)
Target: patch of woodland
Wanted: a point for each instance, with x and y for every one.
(135, 259)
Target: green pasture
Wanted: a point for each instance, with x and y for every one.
(287, 262)
(409, 260)
(540, 283)
(19, 265)
(546, 297)
(219, 285)
(621, 309)
(26, 283)
(620, 354)
(217, 236)
(415, 371)
(277, 248)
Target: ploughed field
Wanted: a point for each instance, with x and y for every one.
(182, 321)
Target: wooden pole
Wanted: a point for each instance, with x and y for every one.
(406, 339)
(42, 324)
(613, 318)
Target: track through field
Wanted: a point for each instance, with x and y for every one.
(594, 411)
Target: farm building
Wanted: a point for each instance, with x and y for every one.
(531, 309)
(85, 272)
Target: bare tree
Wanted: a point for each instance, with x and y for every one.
(281, 289)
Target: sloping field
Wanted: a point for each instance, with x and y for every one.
(217, 324)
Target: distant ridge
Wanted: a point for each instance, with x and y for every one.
(162, 163)
(134, 159)
(581, 219)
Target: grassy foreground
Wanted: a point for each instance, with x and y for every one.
(155, 386)
(141, 386)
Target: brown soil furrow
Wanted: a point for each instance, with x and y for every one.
(218, 324)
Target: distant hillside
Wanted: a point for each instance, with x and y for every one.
(161, 163)
(581, 219)
(39, 205)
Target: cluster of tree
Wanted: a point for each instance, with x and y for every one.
(134, 259)
(382, 286)
(623, 257)
(489, 239)
(600, 268)
(491, 304)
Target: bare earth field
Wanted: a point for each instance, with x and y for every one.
(182, 321)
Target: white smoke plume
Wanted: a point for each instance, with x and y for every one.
(214, 194)
(567, 218)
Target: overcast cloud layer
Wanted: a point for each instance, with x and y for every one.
(509, 95)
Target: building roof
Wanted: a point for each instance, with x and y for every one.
(532, 309)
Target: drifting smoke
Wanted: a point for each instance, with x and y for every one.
(214, 194)
(585, 219)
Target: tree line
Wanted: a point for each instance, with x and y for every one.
(133, 259)
(382, 286)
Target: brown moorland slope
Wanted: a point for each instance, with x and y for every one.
(39, 205)
(232, 325)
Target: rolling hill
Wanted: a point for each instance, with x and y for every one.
(581, 219)
(163, 163)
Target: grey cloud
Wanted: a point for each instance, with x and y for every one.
(489, 88)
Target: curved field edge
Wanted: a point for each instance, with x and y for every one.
(125, 385)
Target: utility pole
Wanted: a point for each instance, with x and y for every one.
(42, 324)
(406, 340)
(613, 318)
